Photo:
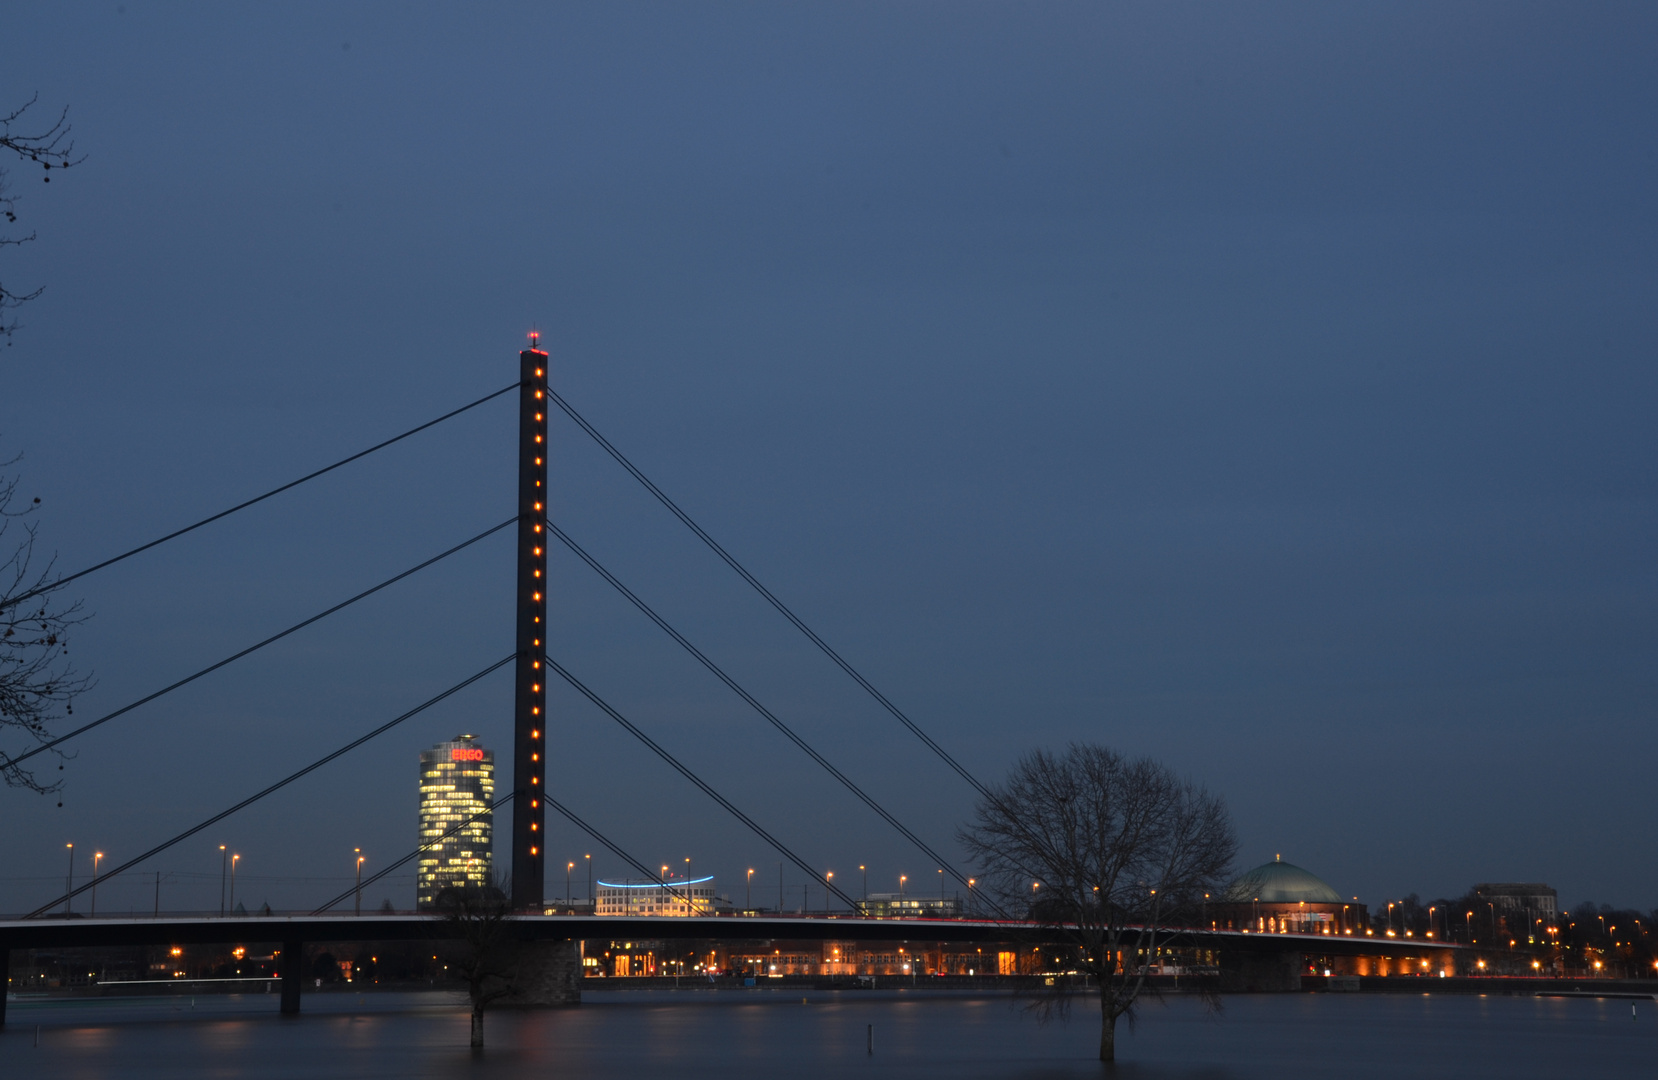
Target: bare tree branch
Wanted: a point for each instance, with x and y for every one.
(38, 684)
(50, 148)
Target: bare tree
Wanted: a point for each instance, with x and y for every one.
(1111, 857)
(38, 684)
(49, 147)
(478, 914)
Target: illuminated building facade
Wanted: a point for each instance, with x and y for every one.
(457, 782)
(677, 897)
(1282, 898)
(895, 905)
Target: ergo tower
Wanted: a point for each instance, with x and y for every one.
(529, 727)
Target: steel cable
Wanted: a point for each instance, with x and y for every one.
(782, 608)
(781, 848)
(250, 800)
(8, 763)
(60, 582)
(770, 717)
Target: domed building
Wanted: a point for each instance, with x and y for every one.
(1282, 898)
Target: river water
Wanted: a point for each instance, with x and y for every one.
(694, 1034)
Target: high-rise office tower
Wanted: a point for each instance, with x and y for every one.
(457, 782)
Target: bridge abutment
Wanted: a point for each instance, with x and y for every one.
(293, 972)
(547, 974)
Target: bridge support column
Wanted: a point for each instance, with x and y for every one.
(547, 974)
(1260, 972)
(529, 715)
(293, 970)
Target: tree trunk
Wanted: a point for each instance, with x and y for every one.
(477, 1027)
(1108, 1032)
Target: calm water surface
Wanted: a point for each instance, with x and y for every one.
(703, 1034)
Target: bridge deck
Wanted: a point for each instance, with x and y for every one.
(168, 930)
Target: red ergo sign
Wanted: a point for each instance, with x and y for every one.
(459, 754)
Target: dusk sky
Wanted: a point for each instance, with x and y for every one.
(1265, 388)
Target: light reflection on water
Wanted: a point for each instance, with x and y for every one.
(707, 1034)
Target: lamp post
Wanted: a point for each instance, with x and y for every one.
(591, 902)
(901, 879)
(69, 881)
(829, 876)
(864, 870)
(359, 853)
(95, 857)
(748, 891)
(941, 892)
(233, 860)
(970, 883)
(690, 904)
(224, 875)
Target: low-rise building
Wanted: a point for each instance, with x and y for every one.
(673, 896)
(897, 905)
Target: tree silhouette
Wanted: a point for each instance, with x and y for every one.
(1111, 858)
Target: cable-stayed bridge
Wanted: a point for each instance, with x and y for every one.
(529, 801)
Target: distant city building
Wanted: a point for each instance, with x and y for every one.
(676, 897)
(1522, 904)
(1282, 898)
(893, 905)
(457, 781)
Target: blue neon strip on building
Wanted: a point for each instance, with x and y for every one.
(669, 885)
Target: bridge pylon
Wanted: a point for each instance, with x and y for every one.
(529, 721)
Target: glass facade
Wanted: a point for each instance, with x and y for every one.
(457, 780)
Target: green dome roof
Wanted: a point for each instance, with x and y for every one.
(1281, 883)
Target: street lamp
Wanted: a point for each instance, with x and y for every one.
(865, 872)
(901, 879)
(233, 861)
(590, 900)
(224, 874)
(69, 882)
(970, 883)
(748, 891)
(95, 857)
(690, 905)
(359, 853)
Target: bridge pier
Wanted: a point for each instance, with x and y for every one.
(292, 971)
(546, 974)
(1260, 972)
